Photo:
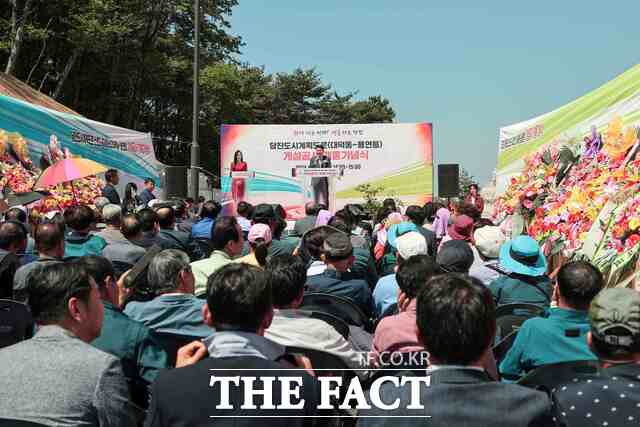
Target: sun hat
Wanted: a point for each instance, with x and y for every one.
(462, 228)
(259, 231)
(488, 240)
(523, 255)
(398, 230)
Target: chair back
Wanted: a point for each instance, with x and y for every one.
(16, 322)
(501, 349)
(171, 343)
(550, 376)
(336, 323)
(509, 317)
(5, 422)
(337, 306)
(200, 249)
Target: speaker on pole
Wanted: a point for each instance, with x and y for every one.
(448, 180)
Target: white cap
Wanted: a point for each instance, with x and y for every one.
(411, 244)
(488, 240)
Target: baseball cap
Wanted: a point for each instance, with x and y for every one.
(101, 202)
(398, 230)
(613, 311)
(259, 231)
(111, 211)
(488, 240)
(337, 246)
(410, 244)
(455, 256)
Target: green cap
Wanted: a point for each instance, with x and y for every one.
(616, 308)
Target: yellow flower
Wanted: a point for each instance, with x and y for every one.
(634, 223)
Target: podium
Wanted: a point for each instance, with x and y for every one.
(240, 184)
(316, 181)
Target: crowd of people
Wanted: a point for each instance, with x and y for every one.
(137, 300)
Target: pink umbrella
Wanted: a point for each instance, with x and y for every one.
(68, 170)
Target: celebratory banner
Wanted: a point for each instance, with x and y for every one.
(568, 125)
(128, 151)
(396, 157)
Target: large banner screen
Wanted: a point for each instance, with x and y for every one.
(396, 157)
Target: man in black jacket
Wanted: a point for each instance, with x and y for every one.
(457, 324)
(239, 306)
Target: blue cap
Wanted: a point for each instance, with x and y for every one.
(398, 230)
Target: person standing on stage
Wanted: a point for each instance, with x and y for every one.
(474, 198)
(320, 185)
(238, 184)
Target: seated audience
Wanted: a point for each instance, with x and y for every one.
(308, 222)
(259, 239)
(227, 241)
(385, 247)
(13, 242)
(527, 281)
(112, 217)
(290, 327)
(337, 254)
(79, 239)
(150, 224)
(208, 214)
(244, 210)
(461, 229)
(398, 333)
(364, 266)
(561, 335)
(50, 246)
(385, 294)
(239, 307)
(416, 215)
(175, 310)
(168, 236)
(183, 222)
(19, 214)
(610, 397)
(126, 251)
(132, 342)
(455, 256)
(56, 377)
(487, 242)
(268, 214)
(456, 322)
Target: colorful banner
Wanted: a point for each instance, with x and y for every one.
(128, 151)
(568, 124)
(397, 157)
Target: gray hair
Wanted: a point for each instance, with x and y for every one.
(165, 268)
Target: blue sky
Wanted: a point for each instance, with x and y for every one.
(467, 69)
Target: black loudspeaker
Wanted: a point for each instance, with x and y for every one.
(448, 181)
(174, 181)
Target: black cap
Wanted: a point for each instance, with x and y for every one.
(455, 256)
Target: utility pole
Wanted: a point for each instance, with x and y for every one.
(195, 147)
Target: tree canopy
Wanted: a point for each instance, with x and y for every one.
(129, 63)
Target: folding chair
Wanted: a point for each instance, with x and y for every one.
(16, 322)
